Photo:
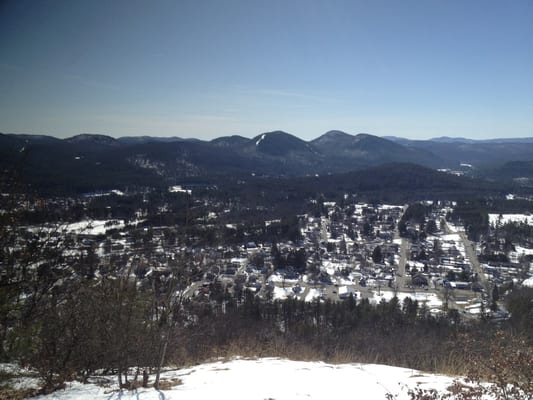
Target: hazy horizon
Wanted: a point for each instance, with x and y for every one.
(260, 133)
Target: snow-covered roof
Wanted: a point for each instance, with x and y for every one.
(528, 282)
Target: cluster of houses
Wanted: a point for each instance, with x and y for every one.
(347, 250)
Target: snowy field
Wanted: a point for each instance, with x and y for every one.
(431, 299)
(282, 293)
(313, 294)
(523, 251)
(92, 227)
(271, 378)
(506, 218)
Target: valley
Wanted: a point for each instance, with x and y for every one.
(185, 269)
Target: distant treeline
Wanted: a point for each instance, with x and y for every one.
(392, 183)
(474, 214)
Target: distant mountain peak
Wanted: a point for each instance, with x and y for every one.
(366, 135)
(331, 137)
(92, 138)
(342, 137)
(276, 133)
(448, 139)
(278, 143)
(229, 141)
(336, 134)
(275, 153)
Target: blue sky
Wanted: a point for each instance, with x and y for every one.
(204, 69)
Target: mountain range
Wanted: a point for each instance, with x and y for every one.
(101, 159)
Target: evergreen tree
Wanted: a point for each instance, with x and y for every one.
(495, 298)
(377, 255)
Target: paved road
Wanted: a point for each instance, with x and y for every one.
(404, 249)
(400, 278)
(324, 225)
(472, 257)
(305, 292)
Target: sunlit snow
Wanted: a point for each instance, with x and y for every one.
(260, 139)
(430, 299)
(272, 378)
(503, 219)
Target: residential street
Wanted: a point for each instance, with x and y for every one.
(400, 278)
(472, 256)
(404, 248)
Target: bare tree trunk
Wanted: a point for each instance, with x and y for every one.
(145, 379)
(120, 377)
(162, 359)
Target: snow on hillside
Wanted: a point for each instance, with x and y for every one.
(260, 139)
(271, 378)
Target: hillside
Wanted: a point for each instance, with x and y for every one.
(480, 154)
(369, 150)
(514, 169)
(280, 143)
(401, 180)
(90, 162)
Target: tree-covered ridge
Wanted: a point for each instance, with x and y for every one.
(88, 163)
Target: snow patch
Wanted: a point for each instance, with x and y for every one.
(528, 282)
(503, 219)
(313, 294)
(430, 299)
(93, 227)
(260, 139)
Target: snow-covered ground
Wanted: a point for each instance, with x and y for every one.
(331, 267)
(93, 227)
(520, 251)
(271, 378)
(431, 299)
(89, 227)
(282, 293)
(454, 228)
(506, 218)
(313, 294)
(523, 251)
(453, 240)
(528, 282)
(278, 277)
